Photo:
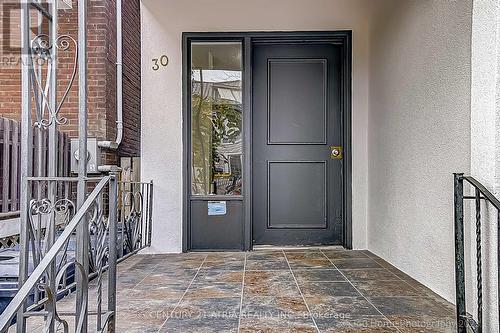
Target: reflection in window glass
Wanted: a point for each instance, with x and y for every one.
(216, 115)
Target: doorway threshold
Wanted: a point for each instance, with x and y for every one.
(297, 247)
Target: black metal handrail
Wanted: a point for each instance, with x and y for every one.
(118, 213)
(464, 321)
(50, 257)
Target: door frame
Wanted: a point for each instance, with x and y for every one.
(342, 38)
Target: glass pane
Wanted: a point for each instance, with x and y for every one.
(216, 115)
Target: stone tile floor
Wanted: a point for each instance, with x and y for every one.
(306, 290)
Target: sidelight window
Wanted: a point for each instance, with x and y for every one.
(216, 118)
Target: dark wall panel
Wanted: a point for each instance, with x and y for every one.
(223, 232)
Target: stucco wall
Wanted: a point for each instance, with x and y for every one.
(162, 25)
(485, 144)
(411, 115)
(419, 134)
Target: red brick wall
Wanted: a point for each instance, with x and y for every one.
(10, 76)
(101, 54)
(131, 79)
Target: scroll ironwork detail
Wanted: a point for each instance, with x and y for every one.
(42, 53)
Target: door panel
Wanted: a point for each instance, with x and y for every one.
(297, 187)
(297, 101)
(304, 203)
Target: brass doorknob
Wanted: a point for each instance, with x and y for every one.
(336, 152)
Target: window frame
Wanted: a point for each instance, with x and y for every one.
(189, 122)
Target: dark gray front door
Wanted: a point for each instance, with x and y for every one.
(297, 186)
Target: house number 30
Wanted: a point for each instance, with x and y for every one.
(160, 62)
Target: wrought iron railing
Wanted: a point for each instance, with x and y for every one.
(465, 321)
(135, 208)
(10, 161)
(66, 237)
(45, 286)
(118, 219)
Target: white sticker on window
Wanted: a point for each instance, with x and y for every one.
(216, 208)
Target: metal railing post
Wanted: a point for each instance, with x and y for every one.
(122, 219)
(52, 148)
(498, 266)
(150, 222)
(459, 253)
(26, 157)
(82, 250)
(479, 263)
(113, 201)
